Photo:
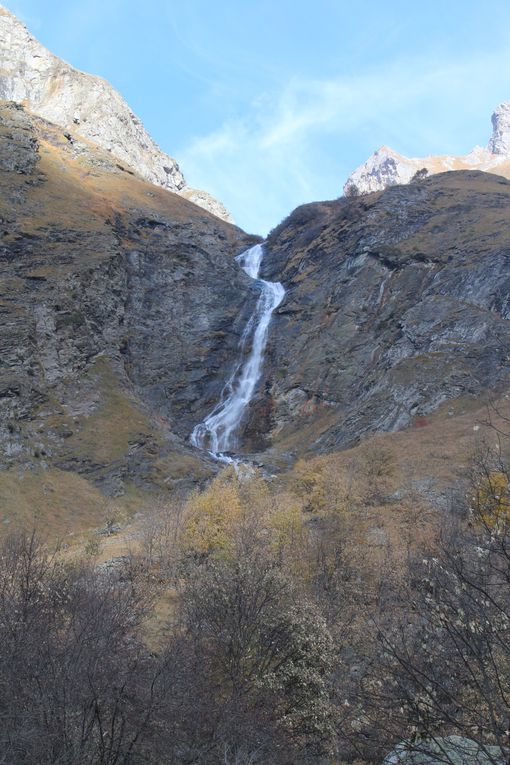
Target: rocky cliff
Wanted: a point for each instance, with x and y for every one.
(86, 107)
(122, 310)
(396, 302)
(120, 313)
(387, 167)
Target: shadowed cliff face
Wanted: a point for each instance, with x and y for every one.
(395, 302)
(120, 310)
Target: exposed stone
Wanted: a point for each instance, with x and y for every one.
(122, 310)
(395, 303)
(208, 202)
(20, 154)
(120, 313)
(85, 107)
(500, 140)
(387, 167)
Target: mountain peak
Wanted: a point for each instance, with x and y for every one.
(386, 167)
(87, 107)
(387, 150)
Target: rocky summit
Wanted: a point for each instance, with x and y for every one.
(387, 167)
(86, 107)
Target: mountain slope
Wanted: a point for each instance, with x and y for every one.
(120, 313)
(122, 308)
(86, 107)
(396, 302)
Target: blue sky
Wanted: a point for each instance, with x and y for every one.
(268, 104)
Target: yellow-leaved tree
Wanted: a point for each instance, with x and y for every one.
(492, 498)
(211, 515)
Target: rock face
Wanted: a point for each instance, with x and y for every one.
(86, 107)
(387, 167)
(500, 140)
(120, 311)
(395, 303)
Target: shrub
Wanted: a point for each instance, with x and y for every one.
(268, 653)
(352, 190)
(419, 175)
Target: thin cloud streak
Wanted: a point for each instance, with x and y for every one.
(294, 146)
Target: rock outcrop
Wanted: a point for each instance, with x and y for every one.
(86, 107)
(387, 167)
(121, 309)
(500, 140)
(396, 302)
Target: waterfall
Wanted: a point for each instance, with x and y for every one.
(217, 433)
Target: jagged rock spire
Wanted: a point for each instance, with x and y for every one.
(500, 140)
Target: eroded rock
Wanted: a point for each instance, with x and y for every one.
(86, 107)
(395, 302)
(121, 307)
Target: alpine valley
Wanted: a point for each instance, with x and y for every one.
(254, 495)
(123, 306)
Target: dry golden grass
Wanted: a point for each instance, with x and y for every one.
(58, 502)
(389, 496)
(118, 419)
(86, 196)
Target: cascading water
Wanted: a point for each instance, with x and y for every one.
(217, 433)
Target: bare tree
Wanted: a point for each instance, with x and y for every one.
(76, 684)
(266, 655)
(445, 668)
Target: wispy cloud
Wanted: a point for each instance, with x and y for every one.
(300, 143)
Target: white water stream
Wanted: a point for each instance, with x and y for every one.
(217, 433)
